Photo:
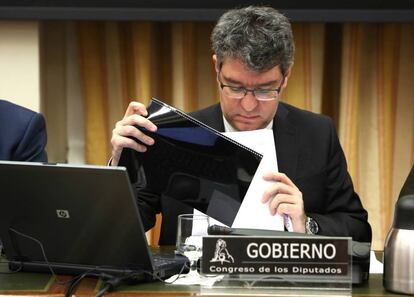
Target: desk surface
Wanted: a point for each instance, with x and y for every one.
(32, 284)
(46, 285)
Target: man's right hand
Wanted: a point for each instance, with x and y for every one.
(125, 129)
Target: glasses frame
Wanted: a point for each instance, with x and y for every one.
(246, 90)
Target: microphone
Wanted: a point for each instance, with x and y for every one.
(223, 230)
(219, 230)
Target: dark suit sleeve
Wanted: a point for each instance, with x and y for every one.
(32, 144)
(343, 213)
(148, 202)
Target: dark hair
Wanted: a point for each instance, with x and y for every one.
(260, 36)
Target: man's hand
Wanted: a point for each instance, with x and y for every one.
(125, 128)
(285, 198)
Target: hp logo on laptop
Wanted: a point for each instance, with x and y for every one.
(62, 213)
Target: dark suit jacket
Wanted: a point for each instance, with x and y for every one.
(309, 153)
(408, 187)
(22, 134)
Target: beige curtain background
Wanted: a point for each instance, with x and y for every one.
(377, 115)
(359, 74)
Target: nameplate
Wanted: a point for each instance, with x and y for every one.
(290, 255)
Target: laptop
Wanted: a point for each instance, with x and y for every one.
(76, 219)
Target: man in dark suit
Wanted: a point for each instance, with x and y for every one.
(22, 134)
(253, 56)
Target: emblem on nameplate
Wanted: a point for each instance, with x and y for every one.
(221, 254)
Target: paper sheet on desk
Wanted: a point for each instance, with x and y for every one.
(253, 213)
(375, 266)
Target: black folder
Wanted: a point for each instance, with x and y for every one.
(192, 163)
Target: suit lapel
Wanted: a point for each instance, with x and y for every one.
(285, 134)
(213, 118)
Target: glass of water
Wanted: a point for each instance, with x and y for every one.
(190, 232)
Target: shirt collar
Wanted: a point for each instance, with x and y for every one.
(229, 128)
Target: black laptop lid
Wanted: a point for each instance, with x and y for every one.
(82, 215)
(192, 163)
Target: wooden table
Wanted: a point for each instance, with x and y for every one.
(41, 284)
(37, 284)
(372, 288)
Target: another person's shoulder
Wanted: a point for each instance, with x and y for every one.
(23, 134)
(19, 115)
(12, 107)
(408, 187)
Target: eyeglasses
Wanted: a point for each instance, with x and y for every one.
(239, 92)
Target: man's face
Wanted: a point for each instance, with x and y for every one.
(247, 113)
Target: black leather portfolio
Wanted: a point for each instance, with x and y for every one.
(192, 163)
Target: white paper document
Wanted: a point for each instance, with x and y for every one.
(375, 266)
(253, 213)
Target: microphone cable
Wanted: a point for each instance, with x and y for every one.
(74, 281)
(110, 283)
(41, 248)
(114, 282)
